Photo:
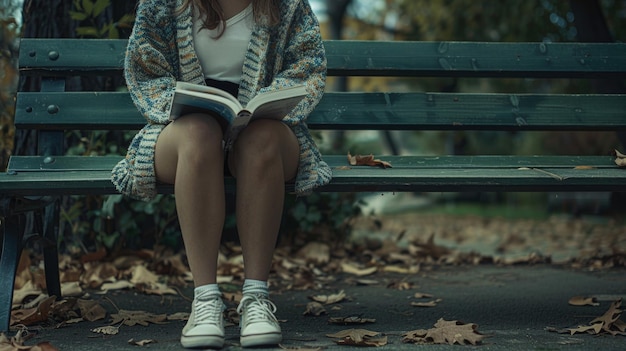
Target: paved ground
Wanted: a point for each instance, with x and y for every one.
(512, 305)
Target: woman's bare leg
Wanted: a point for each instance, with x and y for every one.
(189, 155)
(265, 155)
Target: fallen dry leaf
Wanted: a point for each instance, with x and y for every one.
(27, 289)
(91, 310)
(608, 323)
(179, 316)
(329, 299)
(359, 337)
(400, 285)
(620, 159)
(419, 295)
(314, 309)
(299, 348)
(33, 315)
(360, 272)
(141, 342)
(446, 332)
(583, 301)
(431, 303)
(16, 343)
(351, 320)
(315, 252)
(368, 160)
(117, 285)
(106, 330)
(131, 318)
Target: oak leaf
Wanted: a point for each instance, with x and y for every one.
(608, 323)
(446, 332)
(359, 337)
(131, 318)
(359, 160)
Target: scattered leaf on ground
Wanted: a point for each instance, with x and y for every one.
(91, 310)
(117, 285)
(583, 301)
(131, 318)
(106, 330)
(431, 303)
(400, 285)
(358, 160)
(359, 337)
(33, 315)
(419, 295)
(27, 289)
(353, 269)
(315, 252)
(141, 342)
(16, 343)
(351, 320)
(446, 332)
(329, 299)
(608, 323)
(367, 282)
(299, 348)
(179, 316)
(314, 309)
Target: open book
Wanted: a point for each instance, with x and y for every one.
(274, 104)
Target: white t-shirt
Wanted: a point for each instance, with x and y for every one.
(222, 58)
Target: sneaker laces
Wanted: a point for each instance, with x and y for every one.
(257, 308)
(208, 310)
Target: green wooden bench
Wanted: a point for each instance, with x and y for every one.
(34, 183)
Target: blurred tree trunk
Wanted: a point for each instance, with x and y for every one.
(336, 13)
(51, 19)
(592, 27)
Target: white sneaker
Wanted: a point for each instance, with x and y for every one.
(205, 327)
(258, 324)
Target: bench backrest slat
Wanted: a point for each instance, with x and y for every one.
(367, 58)
(351, 111)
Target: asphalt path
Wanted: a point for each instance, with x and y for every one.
(511, 306)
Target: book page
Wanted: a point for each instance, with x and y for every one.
(184, 86)
(289, 97)
(185, 102)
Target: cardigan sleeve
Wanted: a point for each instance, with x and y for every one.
(303, 61)
(151, 60)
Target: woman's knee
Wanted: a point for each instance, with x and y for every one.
(198, 130)
(264, 143)
(259, 139)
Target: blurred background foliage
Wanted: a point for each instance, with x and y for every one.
(117, 223)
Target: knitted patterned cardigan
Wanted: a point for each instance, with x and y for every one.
(160, 52)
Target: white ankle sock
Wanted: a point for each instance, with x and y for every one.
(251, 286)
(206, 290)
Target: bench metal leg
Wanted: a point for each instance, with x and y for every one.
(11, 250)
(50, 249)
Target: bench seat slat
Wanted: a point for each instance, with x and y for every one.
(106, 163)
(75, 175)
(358, 111)
(372, 58)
